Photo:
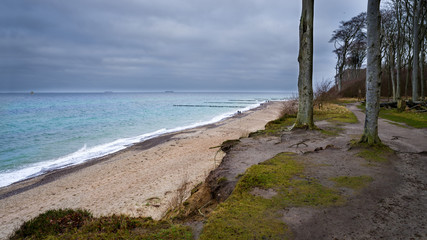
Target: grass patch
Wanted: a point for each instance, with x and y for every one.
(222, 180)
(344, 101)
(355, 183)
(245, 216)
(411, 118)
(329, 111)
(362, 107)
(334, 113)
(376, 153)
(229, 144)
(332, 131)
(79, 224)
(276, 126)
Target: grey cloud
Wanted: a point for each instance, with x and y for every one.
(144, 45)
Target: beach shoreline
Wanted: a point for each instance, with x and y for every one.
(51, 175)
(138, 181)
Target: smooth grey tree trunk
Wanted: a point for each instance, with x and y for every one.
(415, 61)
(341, 68)
(422, 73)
(422, 58)
(373, 74)
(408, 70)
(305, 59)
(393, 80)
(398, 12)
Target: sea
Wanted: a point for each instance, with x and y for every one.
(42, 132)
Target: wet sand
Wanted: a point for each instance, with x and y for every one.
(141, 180)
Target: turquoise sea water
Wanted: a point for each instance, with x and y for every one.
(43, 132)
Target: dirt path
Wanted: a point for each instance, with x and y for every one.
(393, 206)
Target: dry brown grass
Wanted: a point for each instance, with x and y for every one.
(290, 107)
(180, 194)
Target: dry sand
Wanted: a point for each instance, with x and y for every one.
(139, 181)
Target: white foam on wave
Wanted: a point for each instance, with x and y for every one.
(84, 154)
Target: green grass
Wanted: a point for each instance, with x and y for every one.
(276, 126)
(332, 131)
(79, 224)
(329, 111)
(411, 118)
(355, 183)
(376, 153)
(362, 107)
(344, 101)
(245, 216)
(334, 113)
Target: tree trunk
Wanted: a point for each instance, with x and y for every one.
(341, 67)
(399, 44)
(305, 59)
(340, 75)
(422, 51)
(393, 81)
(422, 73)
(408, 70)
(415, 61)
(399, 60)
(373, 74)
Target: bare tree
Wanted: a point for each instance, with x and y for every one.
(408, 41)
(349, 34)
(399, 43)
(357, 55)
(373, 74)
(416, 43)
(423, 48)
(305, 59)
(389, 42)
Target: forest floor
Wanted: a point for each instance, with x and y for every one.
(364, 193)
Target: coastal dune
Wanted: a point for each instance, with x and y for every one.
(142, 180)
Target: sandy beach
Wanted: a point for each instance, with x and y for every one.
(141, 180)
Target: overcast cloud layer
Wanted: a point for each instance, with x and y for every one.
(146, 45)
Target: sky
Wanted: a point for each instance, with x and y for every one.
(146, 45)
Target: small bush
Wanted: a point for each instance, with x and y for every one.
(52, 222)
(79, 224)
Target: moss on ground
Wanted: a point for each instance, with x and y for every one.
(245, 216)
(411, 118)
(79, 224)
(355, 183)
(276, 126)
(332, 131)
(329, 111)
(334, 113)
(374, 153)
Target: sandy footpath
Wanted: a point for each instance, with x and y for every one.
(139, 181)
